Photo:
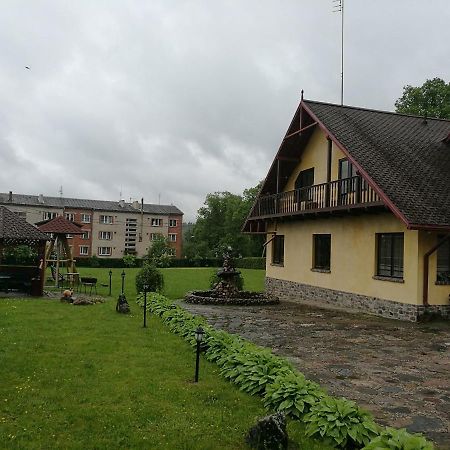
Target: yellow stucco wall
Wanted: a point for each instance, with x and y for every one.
(315, 155)
(353, 256)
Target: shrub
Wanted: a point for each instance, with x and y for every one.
(151, 276)
(129, 260)
(238, 280)
(293, 394)
(340, 423)
(392, 439)
(94, 261)
(250, 263)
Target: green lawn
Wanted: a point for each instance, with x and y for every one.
(82, 377)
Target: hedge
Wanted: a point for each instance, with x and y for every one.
(256, 370)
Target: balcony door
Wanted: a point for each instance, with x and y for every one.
(305, 179)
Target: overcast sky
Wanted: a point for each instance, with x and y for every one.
(171, 100)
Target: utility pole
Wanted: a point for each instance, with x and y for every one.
(338, 6)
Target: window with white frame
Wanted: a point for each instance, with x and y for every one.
(104, 251)
(85, 218)
(70, 216)
(69, 236)
(105, 235)
(155, 236)
(84, 250)
(172, 237)
(156, 222)
(172, 222)
(106, 219)
(48, 215)
(85, 235)
(171, 252)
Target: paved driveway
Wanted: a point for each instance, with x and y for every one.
(399, 371)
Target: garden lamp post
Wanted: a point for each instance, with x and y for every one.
(123, 279)
(110, 275)
(198, 338)
(145, 305)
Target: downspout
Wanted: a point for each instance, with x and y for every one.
(426, 260)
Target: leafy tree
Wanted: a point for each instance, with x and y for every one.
(149, 275)
(219, 224)
(432, 99)
(159, 252)
(129, 260)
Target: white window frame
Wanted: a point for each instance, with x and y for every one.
(106, 220)
(156, 222)
(70, 216)
(86, 234)
(155, 236)
(172, 237)
(105, 235)
(104, 251)
(85, 218)
(49, 215)
(84, 253)
(173, 223)
(69, 236)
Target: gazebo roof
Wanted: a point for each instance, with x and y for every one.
(59, 225)
(16, 230)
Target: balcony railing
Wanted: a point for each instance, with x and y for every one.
(340, 194)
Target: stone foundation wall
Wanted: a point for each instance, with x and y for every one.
(373, 305)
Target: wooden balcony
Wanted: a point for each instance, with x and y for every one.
(346, 194)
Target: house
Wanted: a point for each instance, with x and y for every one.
(110, 229)
(356, 209)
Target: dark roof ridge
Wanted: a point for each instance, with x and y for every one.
(83, 199)
(360, 108)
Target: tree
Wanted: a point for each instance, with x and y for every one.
(160, 251)
(432, 99)
(219, 224)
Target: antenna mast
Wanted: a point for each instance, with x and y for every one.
(339, 7)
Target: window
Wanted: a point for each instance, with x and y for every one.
(390, 255)
(172, 222)
(321, 251)
(278, 250)
(85, 235)
(69, 236)
(22, 214)
(305, 179)
(49, 215)
(156, 222)
(84, 250)
(172, 237)
(104, 251)
(443, 262)
(105, 235)
(85, 218)
(155, 236)
(70, 216)
(171, 252)
(346, 171)
(106, 219)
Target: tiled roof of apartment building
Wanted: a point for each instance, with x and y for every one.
(15, 228)
(78, 203)
(405, 156)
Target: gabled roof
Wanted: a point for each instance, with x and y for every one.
(406, 159)
(79, 203)
(59, 225)
(15, 229)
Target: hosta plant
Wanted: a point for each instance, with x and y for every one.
(340, 423)
(293, 394)
(392, 439)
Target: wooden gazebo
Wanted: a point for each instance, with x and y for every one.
(58, 251)
(15, 231)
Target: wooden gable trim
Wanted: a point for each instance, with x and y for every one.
(362, 172)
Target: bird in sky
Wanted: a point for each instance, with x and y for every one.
(27, 67)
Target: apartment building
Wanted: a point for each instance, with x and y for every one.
(110, 229)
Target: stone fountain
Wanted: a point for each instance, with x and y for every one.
(226, 292)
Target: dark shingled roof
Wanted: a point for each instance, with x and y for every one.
(405, 156)
(59, 225)
(14, 228)
(78, 203)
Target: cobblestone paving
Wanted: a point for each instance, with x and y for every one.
(397, 370)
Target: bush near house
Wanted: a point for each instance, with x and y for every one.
(339, 423)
